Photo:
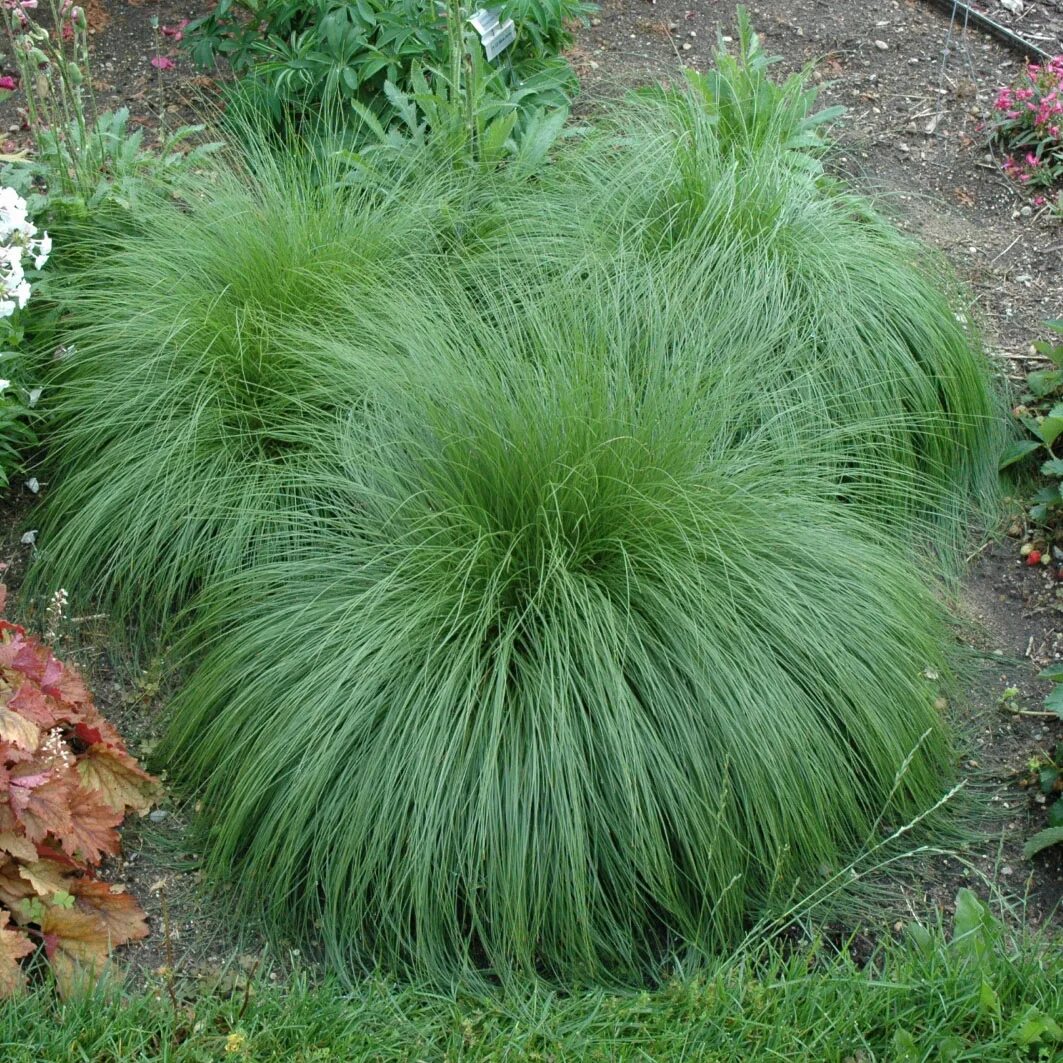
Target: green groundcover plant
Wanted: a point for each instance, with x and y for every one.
(554, 691)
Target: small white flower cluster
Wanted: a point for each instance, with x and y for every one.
(18, 237)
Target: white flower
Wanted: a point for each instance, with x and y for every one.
(34, 395)
(4, 385)
(11, 258)
(41, 249)
(14, 219)
(20, 293)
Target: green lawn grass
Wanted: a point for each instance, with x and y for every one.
(979, 993)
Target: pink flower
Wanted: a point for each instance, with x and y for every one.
(1039, 201)
(8, 83)
(1032, 160)
(176, 32)
(163, 62)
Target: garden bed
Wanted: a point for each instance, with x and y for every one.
(917, 91)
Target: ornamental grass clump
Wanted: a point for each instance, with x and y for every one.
(556, 690)
(717, 193)
(199, 372)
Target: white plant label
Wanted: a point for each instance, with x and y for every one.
(495, 36)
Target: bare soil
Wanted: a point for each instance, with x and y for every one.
(917, 86)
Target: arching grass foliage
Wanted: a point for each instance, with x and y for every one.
(554, 691)
(542, 543)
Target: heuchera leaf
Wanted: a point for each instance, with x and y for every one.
(13, 887)
(33, 705)
(13, 947)
(17, 730)
(117, 777)
(42, 807)
(66, 781)
(92, 833)
(45, 876)
(116, 909)
(77, 944)
(13, 840)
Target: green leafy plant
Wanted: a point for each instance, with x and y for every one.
(1046, 776)
(293, 56)
(66, 782)
(1041, 413)
(102, 174)
(89, 169)
(23, 250)
(748, 110)
(628, 711)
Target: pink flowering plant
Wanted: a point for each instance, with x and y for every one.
(1027, 123)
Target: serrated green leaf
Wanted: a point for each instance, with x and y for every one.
(1055, 813)
(1050, 428)
(1053, 672)
(1043, 382)
(1018, 450)
(1042, 840)
(1037, 1026)
(1054, 701)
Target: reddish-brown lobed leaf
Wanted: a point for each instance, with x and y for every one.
(41, 804)
(92, 831)
(13, 887)
(118, 910)
(66, 781)
(30, 703)
(46, 877)
(117, 777)
(77, 944)
(17, 730)
(14, 945)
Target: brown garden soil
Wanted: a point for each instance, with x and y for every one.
(917, 88)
